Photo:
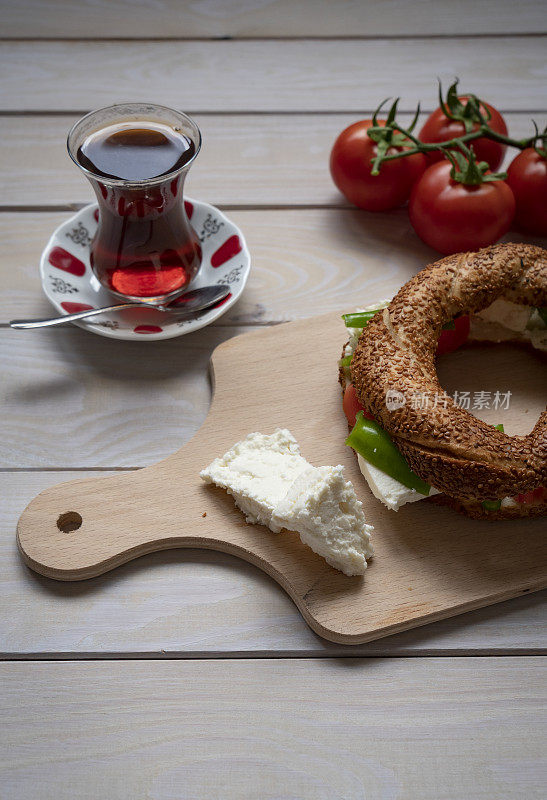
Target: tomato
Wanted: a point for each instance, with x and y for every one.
(440, 128)
(351, 405)
(452, 338)
(453, 217)
(535, 496)
(527, 177)
(350, 166)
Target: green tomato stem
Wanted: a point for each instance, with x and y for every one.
(425, 147)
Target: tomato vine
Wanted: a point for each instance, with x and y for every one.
(476, 125)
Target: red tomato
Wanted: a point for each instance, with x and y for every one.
(350, 165)
(452, 338)
(535, 496)
(351, 405)
(527, 177)
(440, 128)
(452, 217)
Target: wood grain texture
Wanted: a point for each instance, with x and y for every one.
(190, 603)
(72, 399)
(304, 263)
(314, 262)
(210, 18)
(287, 76)
(245, 160)
(157, 395)
(430, 563)
(312, 730)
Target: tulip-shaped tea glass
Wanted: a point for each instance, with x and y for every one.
(136, 156)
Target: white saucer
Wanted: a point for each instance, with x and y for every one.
(69, 283)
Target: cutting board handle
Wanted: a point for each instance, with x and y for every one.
(82, 528)
(85, 527)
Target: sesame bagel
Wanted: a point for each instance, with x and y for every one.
(466, 459)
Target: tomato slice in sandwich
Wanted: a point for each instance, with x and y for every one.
(352, 405)
(454, 336)
(534, 496)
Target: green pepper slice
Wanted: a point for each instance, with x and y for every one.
(491, 505)
(372, 442)
(543, 314)
(345, 365)
(359, 319)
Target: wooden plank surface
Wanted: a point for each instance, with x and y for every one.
(431, 728)
(428, 728)
(216, 18)
(304, 263)
(269, 75)
(264, 160)
(75, 400)
(127, 404)
(124, 404)
(191, 603)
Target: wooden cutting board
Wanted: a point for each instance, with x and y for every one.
(430, 563)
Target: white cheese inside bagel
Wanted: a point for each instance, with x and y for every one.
(388, 490)
(504, 321)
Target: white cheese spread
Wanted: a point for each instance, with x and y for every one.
(274, 485)
(321, 505)
(258, 472)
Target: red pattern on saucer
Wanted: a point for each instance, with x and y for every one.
(226, 251)
(73, 308)
(148, 329)
(62, 259)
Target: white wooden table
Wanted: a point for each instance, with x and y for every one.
(190, 674)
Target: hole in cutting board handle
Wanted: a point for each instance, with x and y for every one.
(69, 521)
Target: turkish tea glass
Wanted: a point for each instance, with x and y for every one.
(144, 247)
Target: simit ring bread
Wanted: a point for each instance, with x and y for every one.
(465, 459)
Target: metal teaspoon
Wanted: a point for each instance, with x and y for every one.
(185, 305)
